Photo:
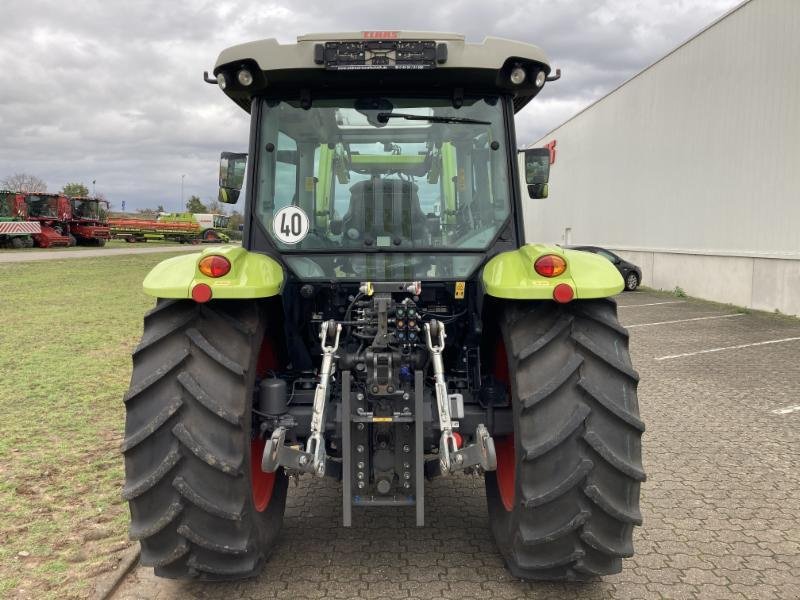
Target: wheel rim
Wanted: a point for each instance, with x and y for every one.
(632, 279)
(506, 473)
(262, 483)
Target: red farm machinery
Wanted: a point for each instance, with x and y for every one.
(15, 229)
(89, 223)
(53, 212)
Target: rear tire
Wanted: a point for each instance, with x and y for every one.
(631, 281)
(189, 473)
(17, 242)
(565, 497)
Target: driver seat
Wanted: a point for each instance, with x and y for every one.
(384, 207)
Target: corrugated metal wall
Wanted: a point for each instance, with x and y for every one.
(700, 152)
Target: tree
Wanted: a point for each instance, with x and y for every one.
(75, 189)
(216, 207)
(160, 208)
(147, 213)
(235, 224)
(236, 220)
(195, 206)
(23, 182)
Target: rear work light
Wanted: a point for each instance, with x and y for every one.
(245, 77)
(550, 265)
(214, 266)
(518, 75)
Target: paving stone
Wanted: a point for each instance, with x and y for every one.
(720, 504)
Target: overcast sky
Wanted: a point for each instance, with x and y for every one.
(112, 90)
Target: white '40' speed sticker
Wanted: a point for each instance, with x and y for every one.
(290, 225)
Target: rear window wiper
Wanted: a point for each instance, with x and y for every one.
(385, 116)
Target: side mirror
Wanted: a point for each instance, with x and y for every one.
(538, 191)
(231, 176)
(537, 171)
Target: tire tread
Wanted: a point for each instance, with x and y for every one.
(578, 448)
(187, 423)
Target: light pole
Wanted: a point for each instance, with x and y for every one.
(93, 182)
(180, 203)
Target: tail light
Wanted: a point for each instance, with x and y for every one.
(214, 266)
(550, 265)
(201, 293)
(563, 293)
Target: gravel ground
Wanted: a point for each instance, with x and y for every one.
(720, 504)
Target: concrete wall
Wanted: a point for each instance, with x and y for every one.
(761, 283)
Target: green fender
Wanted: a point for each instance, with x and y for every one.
(251, 276)
(511, 275)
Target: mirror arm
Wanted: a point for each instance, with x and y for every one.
(555, 77)
(208, 79)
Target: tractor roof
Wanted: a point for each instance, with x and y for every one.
(392, 61)
(87, 199)
(43, 194)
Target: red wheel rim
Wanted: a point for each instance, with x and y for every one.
(262, 483)
(506, 474)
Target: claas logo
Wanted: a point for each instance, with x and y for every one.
(379, 35)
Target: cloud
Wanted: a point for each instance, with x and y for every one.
(112, 90)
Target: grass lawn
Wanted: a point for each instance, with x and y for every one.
(65, 342)
(109, 244)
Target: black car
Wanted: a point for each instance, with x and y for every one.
(631, 274)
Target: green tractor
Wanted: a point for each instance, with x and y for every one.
(384, 321)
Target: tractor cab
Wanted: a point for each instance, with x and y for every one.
(48, 207)
(221, 221)
(379, 155)
(54, 212)
(89, 223)
(12, 206)
(6, 205)
(89, 209)
(15, 229)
